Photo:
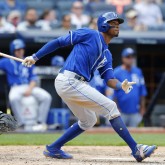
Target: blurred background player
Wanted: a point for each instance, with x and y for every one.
(23, 83)
(57, 61)
(132, 105)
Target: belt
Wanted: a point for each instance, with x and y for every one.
(72, 75)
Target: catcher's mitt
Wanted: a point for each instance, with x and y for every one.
(7, 123)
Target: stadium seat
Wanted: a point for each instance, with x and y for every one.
(64, 5)
(128, 7)
(101, 8)
(38, 4)
(59, 116)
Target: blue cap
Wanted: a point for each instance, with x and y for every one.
(57, 61)
(127, 52)
(16, 44)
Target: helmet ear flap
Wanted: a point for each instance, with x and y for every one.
(105, 27)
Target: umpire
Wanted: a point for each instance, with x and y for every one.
(132, 105)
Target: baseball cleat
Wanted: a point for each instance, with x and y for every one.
(143, 151)
(57, 153)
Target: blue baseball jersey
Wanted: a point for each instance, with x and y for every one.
(130, 103)
(90, 53)
(16, 73)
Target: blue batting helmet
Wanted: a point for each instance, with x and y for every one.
(127, 52)
(16, 44)
(103, 20)
(57, 61)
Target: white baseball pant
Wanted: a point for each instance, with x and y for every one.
(83, 100)
(43, 98)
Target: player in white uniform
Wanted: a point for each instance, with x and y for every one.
(90, 53)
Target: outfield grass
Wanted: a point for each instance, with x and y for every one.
(83, 140)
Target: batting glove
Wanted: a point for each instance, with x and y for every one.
(127, 86)
(28, 61)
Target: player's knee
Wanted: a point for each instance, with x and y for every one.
(13, 99)
(48, 97)
(87, 124)
(113, 111)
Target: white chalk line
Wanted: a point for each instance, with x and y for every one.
(112, 158)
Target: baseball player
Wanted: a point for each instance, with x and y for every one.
(22, 83)
(133, 111)
(90, 53)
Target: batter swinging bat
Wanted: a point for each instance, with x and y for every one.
(11, 57)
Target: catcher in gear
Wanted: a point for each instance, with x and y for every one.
(7, 123)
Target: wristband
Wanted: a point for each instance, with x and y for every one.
(35, 57)
(118, 85)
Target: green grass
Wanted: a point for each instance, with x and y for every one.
(83, 140)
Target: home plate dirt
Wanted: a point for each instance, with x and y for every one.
(32, 155)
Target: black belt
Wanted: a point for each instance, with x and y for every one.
(78, 77)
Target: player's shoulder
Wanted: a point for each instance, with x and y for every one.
(5, 60)
(87, 31)
(118, 69)
(137, 70)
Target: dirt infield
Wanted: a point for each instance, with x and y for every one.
(32, 155)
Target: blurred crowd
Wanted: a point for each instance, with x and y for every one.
(19, 15)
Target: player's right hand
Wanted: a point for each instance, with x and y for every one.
(127, 86)
(28, 61)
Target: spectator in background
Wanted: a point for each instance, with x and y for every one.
(93, 23)
(119, 4)
(5, 27)
(8, 5)
(50, 17)
(77, 17)
(14, 17)
(23, 83)
(157, 1)
(131, 105)
(66, 23)
(31, 22)
(149, 13)
(131, 22)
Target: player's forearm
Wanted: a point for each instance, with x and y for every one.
(32, 84)
(46, 49)
(52, 46)
(114, 83)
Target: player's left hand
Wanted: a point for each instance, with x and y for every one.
(28, 92)
(127, 86)
(28, 61)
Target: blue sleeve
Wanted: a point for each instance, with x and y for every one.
(72, 38)
(143, 90)
(3, 64)
(32, 75)
(106, 71)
